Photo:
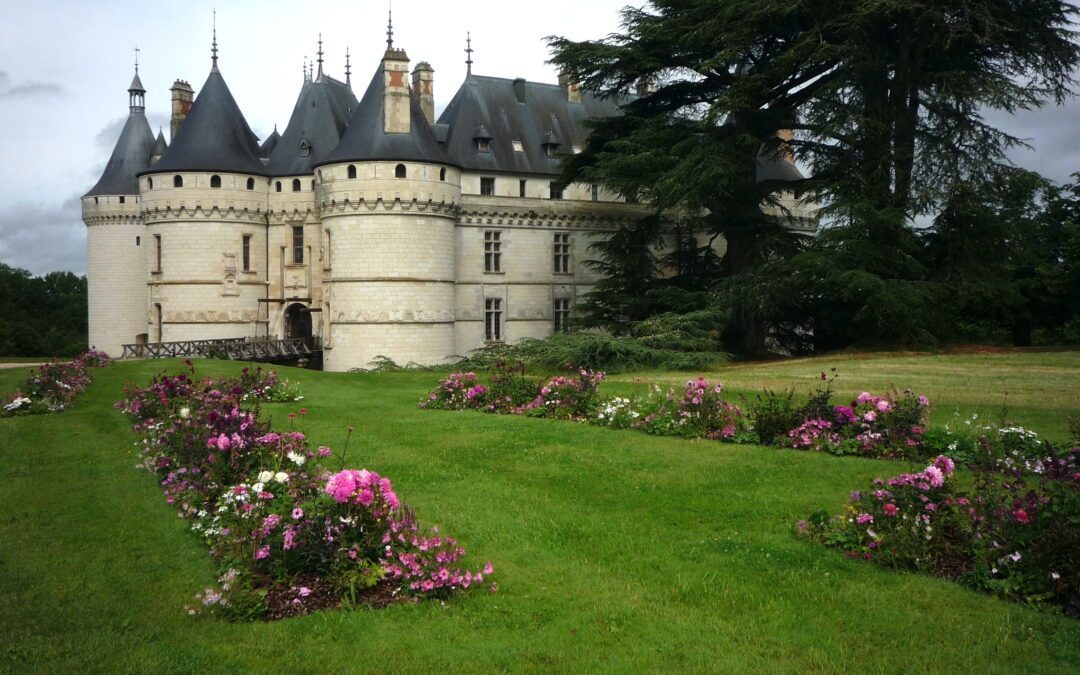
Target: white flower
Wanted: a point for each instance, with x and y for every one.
(258, 487)
(1055, 576)
(297, 458)
(185, 412)
(265, 477)
(1015, 557)
(281, 477)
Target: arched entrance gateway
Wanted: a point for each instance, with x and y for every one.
(298, 322)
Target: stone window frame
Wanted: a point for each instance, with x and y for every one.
(564, 251)
(494, 320)
(297, 245)
(487, 182)
(245, 254)
(494, 250)
(562, 308)
(157, 254)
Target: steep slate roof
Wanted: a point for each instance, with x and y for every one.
(160, 146)
(365, 140)
(516, 110)
(269, 144)
(214, 136)
(320, 116)
(130, 156)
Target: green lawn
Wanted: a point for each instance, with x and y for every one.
(613, 550)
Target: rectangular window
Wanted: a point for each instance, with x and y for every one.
(595, 193)
(555, 192)
(326, 256)
(487, 187)
(521, 188)
(157, 253)
(493, 251)
(562, 315)
(493, 320)
(247, 252)
(562, 253)
(518, 147)
(138, 241)
(298, 244)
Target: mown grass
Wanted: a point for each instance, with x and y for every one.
(613, 550)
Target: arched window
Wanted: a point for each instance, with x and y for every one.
(278, 186)
(399, 171)
(150, 183)
(352, 171)
(178, 181)
(442, 174)
(251, 183)
(215, 181)
(296, 185)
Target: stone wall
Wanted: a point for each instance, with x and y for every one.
(115, 272)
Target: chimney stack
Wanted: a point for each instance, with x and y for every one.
(182, 97)
(423, 83)
(572, 89)
(396, 92)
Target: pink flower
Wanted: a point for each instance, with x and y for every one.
(890, 509)
(923, 401)
(262, 553)
(883, 405)
(297, 513)
(934, 475)
(489, 569)
(864, 518)
(870, 416)
(864, 397)
(325, 452)
(945, 464)
(1021, 516)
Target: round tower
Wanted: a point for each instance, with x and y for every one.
(204, 206)
(116, 236)
(388, 197)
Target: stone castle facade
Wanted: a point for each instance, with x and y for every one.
(368, 224)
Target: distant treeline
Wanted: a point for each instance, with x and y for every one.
(41, 316)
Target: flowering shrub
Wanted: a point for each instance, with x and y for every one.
(616, 413)
(887, 426)
(1014, 533)
(260, 385)
(457, 392)
(509, 388)
(54, 386)
(289, 536)
(815, 434)
(566, 396)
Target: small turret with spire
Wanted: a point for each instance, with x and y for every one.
(136, 92)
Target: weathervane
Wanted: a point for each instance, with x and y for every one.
(390, 27)
(136, 59)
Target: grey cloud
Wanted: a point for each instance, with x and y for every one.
(27, 89)
(1054, 137)
(43, 238)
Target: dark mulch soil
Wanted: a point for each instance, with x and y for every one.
(289, 601)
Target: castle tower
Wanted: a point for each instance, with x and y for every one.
(294, 229)
(387, 197)
(116, 237)
(204, 206)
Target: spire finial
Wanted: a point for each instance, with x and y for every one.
(213, 48)
(348, 68)
(390, 28)
(320, 55)
(136, 59)
(468, 53)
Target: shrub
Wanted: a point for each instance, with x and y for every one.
(774, 414)
(260, 385)
(509, 387)
(457, 392)
(566, 396)
(54, 386)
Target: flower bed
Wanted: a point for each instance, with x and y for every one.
(54, 386)
(1014, 532)
(289, 535)
(890, 425)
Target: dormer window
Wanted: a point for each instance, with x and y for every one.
(518, 147)
(482, 137)
(551, 144)
(305, 147)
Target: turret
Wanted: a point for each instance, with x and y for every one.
(387, 197)
(204, 206)
(115, 235)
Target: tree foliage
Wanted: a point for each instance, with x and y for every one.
(41, 316)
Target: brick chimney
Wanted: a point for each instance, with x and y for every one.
(396, 92)
(182, 97)
(572, 89)
(423, 85)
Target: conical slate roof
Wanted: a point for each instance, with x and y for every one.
(320, 117)
(160, 146)
(365, 139)
(136, 84)
(214, 136)
(130, 156)
(269, 144)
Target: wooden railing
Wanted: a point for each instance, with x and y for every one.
(239, 349)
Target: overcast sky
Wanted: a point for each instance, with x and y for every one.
(65, 67)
